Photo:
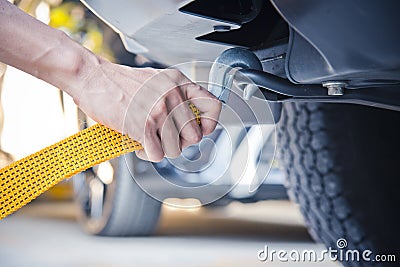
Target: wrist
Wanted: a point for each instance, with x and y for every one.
(71, 66)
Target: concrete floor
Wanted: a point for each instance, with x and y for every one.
(46, 234)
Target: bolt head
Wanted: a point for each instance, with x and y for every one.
(334, 88)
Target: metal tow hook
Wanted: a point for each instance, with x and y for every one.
(221, 78)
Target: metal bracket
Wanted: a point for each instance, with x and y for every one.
(281, 90)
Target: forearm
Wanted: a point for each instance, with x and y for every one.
(149, 105)
(44, 52)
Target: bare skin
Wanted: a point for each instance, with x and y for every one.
(150, 105)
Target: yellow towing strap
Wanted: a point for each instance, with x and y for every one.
(25, 179)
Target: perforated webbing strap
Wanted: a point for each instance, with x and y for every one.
(25, 179)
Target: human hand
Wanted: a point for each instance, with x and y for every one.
(149, 105)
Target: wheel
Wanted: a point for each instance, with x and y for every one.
(111, 203)
(341, 163)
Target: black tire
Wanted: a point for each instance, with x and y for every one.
(341, 163)
(126, 210)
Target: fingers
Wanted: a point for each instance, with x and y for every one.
(162, 137)
(170, 138)
(171, 124)
(208, 104)
(141, 154)
(185, 121)
(151, 143)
